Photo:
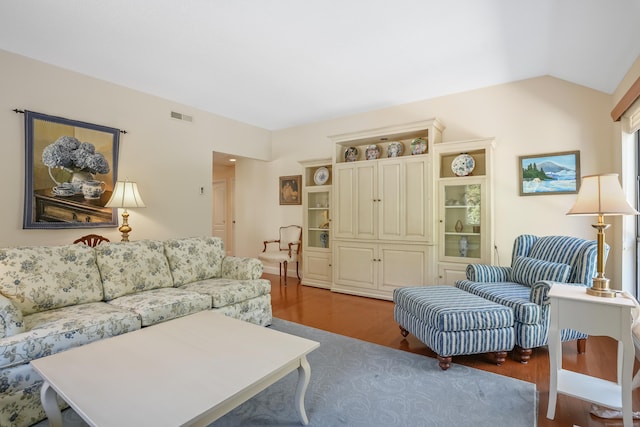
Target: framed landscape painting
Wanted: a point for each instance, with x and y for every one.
(553, 173)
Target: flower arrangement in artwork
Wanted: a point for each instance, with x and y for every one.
(72, 155)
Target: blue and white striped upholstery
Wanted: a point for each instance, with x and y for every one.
(528, 271)
(452, 322)
(487, 273)
(529, 298)
(512, 295)
(580, 254)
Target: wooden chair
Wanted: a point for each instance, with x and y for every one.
(288, 249)
(92, 240)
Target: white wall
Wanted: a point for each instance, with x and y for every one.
(540, 115)
(170, 159)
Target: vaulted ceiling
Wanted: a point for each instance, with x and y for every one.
(281, 63)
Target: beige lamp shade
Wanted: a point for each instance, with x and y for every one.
(601, 195)
(125, 195)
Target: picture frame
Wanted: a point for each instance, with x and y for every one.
(550, 173)
(71, 168)
(290, 190)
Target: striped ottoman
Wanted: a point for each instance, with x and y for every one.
(452, 322)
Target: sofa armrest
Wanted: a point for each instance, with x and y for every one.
(487, 273)
(241, 268)
(10, 318)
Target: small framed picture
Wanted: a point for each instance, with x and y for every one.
(553, 173)
(290, 190)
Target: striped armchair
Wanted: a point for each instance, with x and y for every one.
(536, 263)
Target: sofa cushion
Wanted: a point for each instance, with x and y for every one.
(42, 278)
(225, 292)
(157, 305)
(130, 267)
(56, 330)
(11, 321)
(241, 268)
(528, 271)
(194, 258)
(513, 295)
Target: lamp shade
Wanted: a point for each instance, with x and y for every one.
(125, 195)
(601, 195)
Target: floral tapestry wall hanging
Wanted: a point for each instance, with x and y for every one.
(71, 168)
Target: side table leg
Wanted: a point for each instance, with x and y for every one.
(304, 375)
(555, 360)
(48, 396)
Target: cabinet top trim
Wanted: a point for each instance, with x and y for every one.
(354, 137)
(448, 145)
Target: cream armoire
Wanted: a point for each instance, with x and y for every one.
(386, 209)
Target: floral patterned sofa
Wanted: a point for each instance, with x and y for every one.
(53, 298)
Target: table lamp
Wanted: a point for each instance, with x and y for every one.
(125, 195)
(601, 195)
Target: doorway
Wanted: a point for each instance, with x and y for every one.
(223, 197)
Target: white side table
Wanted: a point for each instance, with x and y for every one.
(572, 308)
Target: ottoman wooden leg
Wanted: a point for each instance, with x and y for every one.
(444, 362)
(403, 331)
(499, 357)
(523, 354)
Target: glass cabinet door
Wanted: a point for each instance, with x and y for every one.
(318, 224)
(462, 219)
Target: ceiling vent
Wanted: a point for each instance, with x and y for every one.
(181, 116)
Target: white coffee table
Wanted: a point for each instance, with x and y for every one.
(188, 371)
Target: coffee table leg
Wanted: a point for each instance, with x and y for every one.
(48, 396)
(304, 375)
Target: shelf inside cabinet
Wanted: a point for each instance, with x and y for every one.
(310, 175)
(430, 131)
(383, 144)
(479, 156)
(454, 246)
(318, 238)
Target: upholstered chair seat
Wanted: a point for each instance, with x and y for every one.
(288, 249)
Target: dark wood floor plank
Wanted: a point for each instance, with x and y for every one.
(372, 320)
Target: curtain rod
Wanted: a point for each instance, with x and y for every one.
(18, 111)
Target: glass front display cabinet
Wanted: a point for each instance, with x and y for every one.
(318, 216)
(463, 219)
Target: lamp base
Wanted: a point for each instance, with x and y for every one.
(124, 228)
(601, 288)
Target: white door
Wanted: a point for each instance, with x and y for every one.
(220, 210)
(231, 230)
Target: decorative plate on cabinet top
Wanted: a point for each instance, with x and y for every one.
(351, 154)
(321, 176)
(395, 149)
(463, 165)
(372, 152)
(418, 146)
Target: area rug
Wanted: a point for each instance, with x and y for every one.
(355, 383)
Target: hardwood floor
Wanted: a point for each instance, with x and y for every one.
(372, 320)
